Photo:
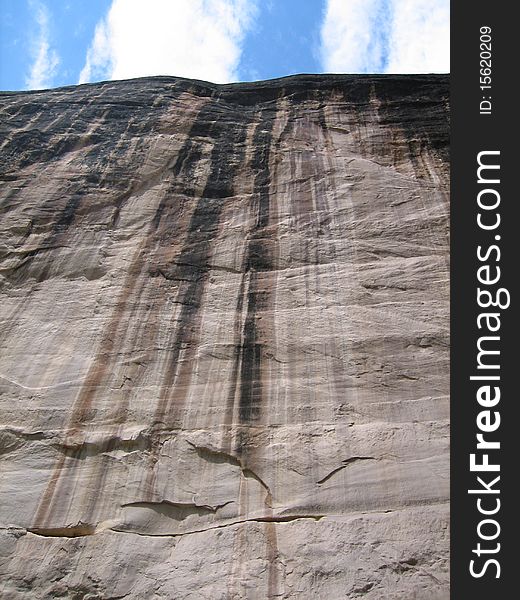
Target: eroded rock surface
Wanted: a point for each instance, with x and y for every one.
(224, 332)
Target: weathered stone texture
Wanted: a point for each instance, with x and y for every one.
(224, 332)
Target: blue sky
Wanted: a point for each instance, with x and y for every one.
(50, 43)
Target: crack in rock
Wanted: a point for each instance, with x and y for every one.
(347, 462)
(219, 456)
(86, 448)
(68, 531)
(264, 519)
(84, 529)
(179, 511)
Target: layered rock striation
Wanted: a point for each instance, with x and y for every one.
(225, 339)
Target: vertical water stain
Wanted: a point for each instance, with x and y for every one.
(258, 262)
(100, 374)
(190, 269)
(272, 561)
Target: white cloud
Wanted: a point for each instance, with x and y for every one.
(386, 36)
(200, 39)
(45, 58)
(420, 42)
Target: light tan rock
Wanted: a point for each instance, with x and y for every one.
(225, 340)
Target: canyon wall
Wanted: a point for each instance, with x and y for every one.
(224, 333)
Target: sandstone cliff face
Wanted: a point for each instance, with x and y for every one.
(224, 368)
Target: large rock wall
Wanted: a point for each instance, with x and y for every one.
(225, 336)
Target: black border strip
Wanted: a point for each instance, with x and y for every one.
(473, 132)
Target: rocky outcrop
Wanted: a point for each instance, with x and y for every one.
(224, 368)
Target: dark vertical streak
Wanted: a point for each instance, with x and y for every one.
(98, 377)
(258, 259)
(420, 112)
(237, 337)
(191, 270)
